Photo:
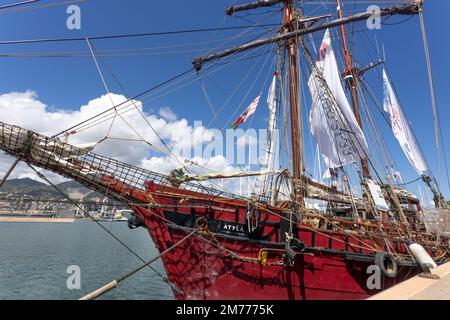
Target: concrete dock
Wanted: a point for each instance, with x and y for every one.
(36, 220)
(419, 288)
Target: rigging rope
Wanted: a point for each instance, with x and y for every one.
(433, 95)
(42, 6)
(17, 4)
(170, 82)
(113, 284)
(91, 48)
(130, 99)
(186, 83)
(410, 182)
(43, 177)
(152, 51)
(104, 84)
(209, 103)
(133, 35)
(122, 87)
(234, 92)
(246, 95)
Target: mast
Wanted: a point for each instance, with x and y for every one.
(408, 9)
(289, 37)
(350, 75)
(293, 92)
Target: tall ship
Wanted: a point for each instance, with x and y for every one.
(294, 236)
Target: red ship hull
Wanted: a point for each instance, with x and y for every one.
(241, 248)
(233, 267)
(201, 273)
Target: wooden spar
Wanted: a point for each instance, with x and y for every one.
(10, 170)
(350, 75)
(293, 94)
(408, 9)
(371, 66)
(258, 4)
(396, 200)
(99, 292)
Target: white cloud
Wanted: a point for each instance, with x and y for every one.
(25, 109)
(167, 114)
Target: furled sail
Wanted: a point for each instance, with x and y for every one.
(272, 105)
(268, 161)
(401, 128)
(53, 151)
(332, 122)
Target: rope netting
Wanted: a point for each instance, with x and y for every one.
(80, 164)
(437, 221)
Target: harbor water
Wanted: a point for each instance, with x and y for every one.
(35, 257)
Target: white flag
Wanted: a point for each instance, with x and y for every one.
(402, 130)
(336, 130)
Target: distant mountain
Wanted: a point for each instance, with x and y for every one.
(25, 185)
(21, 183)
(17, 188)
(40, 190)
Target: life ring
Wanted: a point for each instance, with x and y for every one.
(387, 264)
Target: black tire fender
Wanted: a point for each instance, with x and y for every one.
(387, 264)
(291, 245)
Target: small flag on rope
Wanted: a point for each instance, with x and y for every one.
(247, 113)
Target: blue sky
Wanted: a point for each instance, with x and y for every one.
(68, 83)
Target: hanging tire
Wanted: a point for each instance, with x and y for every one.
(291, 246)
(387, 264)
